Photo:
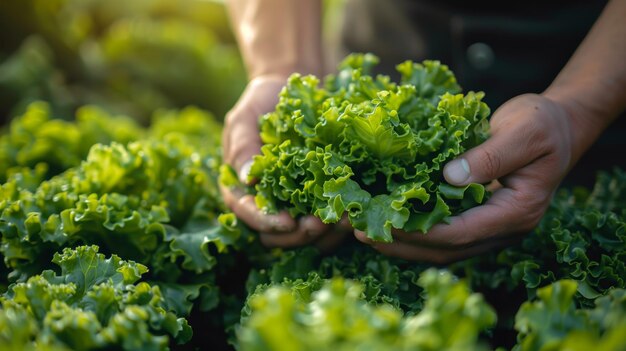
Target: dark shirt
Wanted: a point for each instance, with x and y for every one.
(504, 48)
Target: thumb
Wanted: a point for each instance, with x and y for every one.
(243, 161)
(500, 155)
(244, 143)
(244, 171)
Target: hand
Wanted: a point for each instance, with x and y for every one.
(529, 153)
(241, 141)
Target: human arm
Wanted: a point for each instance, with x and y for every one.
(276, 38)
(536, 139)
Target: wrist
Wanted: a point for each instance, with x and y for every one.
(278, 37)
(282, 70)
(586, 120)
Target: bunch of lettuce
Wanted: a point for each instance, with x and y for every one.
(36, 137)
(553, 322)
(385, 279)
(153, 200)
(369, 147)
(94, 303)
(335, 316)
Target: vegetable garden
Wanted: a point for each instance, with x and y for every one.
(114, 234)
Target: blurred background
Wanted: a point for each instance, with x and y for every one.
(128, 56)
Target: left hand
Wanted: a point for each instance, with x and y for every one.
(241, 141)
(529, 153)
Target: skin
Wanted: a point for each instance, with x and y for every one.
(535, 138)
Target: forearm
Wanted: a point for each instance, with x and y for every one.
(592, 86)
(278, 37)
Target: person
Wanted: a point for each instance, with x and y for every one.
(536, 138)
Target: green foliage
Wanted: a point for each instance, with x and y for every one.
(582, 237)
(369, 147)
(385, 279)
(173, 62)
(554, 323)
(35, 137)
(393, 282)
(333, 314)
(153, 200)
(128, 57)
(149, 199)
(94, 303)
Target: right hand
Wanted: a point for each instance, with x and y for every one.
(241, 141)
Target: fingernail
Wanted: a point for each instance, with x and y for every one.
(457, 171)
(244, 171)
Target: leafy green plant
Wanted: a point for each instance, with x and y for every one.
(94, 303)
(153, 200)
(370, 148)
(385, 279)
(554, 323)
(582, 237)
(333, 314)
(36, 137)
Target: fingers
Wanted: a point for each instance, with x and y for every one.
(507, 213)
(244, 145)
(436, 255)
(281, 230)
(498, 156)
(244, 207)
(313, 226)
(241, 143)
(310, 230)
(298, 237)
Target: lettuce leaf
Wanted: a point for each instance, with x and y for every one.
(94, 303)
(36, 137)
(154, 200)
(554, 323)
(369, 147)
(333, 314)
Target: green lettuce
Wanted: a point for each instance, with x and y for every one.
(554, 323)
(94, 303)
(369, 148)
(333, 314)
(154, 200)
(580, 239)
(385, 279)
(35, 137)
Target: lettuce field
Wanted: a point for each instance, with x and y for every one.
(114, 234)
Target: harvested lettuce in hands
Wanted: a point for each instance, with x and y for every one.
(370, 147)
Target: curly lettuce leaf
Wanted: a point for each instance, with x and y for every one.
(554, 323)
(370, 148)
(36, 137)
(333, 314)
(94, 303)
(154, 200)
